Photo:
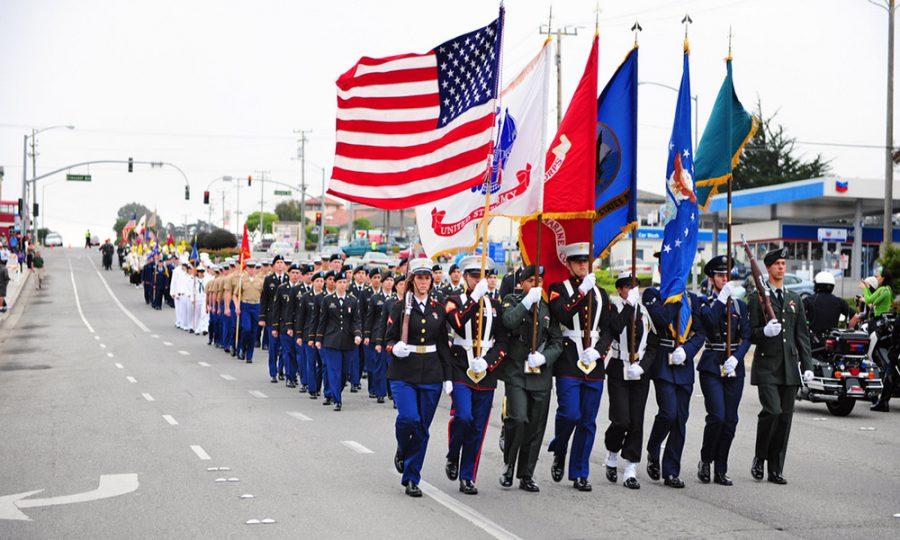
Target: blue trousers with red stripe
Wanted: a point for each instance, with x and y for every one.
(469, 415)
(578, 402)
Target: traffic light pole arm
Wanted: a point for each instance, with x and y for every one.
(151, 163)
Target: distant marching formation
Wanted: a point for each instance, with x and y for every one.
(414, 335)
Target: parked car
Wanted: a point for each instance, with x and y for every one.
(361, 246)
(95, 240)
(376, 258)
(53, 239)
(792, 282)
(622, 265)
(285, 249)
(328, 251)
(353, 261)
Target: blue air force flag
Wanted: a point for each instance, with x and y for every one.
(680, 236)
(616, 189)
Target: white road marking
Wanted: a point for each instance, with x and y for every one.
(267, 521)
(299, 416)
(131, 379)
(103, 345)
(201, 453)
(110, 355)
(184, 353)
(356, 447)
(148, 397)
(466, 512)
(167, 343)
(233, 479)
(97, 337)
(246, 496)
(227, 377)
(120, 366)
(127, 313)
(257, 393)
(155, 336)
(168, 418)
(77, 301)
(218, 468)
(110, 485)
(252, 522)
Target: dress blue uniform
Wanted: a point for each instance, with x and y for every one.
(147, 280)
(338, 324)
(674, 384)
(266, 307)
(280, 322)
(376, 362)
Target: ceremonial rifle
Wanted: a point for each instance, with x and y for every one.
(762, 291)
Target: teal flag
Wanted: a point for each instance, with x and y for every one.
(728, 130)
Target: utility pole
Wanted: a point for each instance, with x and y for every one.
(223, 208)
(889, 139)
(262, 194)
(559, 32)
(302, 156)
(322, 210)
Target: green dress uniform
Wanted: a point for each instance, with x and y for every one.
(776, 375)
(527, 394)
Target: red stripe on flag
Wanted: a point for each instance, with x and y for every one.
(387, 103)
(414, 199)
(453, 163)
(387, 128)
(369, 61)
(360, 151)
(398, 76)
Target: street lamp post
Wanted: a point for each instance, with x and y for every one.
(696, 108)
(25, 201)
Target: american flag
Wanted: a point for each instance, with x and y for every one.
(415, 128)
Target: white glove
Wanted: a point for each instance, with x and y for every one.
(536, 359)
(401, 350)
(589, 356)
(480, 290)
(478, 365)
(635, 371)
(634, 296)
(808, 375)
(730, 364)
(725, 293)
(679, 356)
(532, 297)
(587, 284)
(772, 328)
(448, 387)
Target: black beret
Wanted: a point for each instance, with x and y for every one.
(387, 274)
(716, 265)
(374, 272)
(294, 267)
(436, 268)
(306, 268)
(346, 267)
(454, 267)
(773, 256)
(318, 275)
(277, 258)
(359, 268)
(328, 274)
(334, 257)
(525, 273)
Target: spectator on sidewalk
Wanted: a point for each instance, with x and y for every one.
(4, 281)
(37, 265)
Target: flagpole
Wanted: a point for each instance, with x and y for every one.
(634, 233)
(589, 317)
(485, 220)
(728, 226)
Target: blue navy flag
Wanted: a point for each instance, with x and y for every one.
(616, 189)
(680, 236)
(194, 255)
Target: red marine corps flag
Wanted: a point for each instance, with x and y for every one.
(415, 128)
(568, 181)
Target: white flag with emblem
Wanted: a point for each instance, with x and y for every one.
(451, 224)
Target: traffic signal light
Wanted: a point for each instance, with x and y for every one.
(205, 197)
(21, 206)
(319, 219)
(249, 180)
(187, 193)
(35, 210)
(130, 165)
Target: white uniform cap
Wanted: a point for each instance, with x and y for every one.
(578, 249)
(471, 263)
(420, 265)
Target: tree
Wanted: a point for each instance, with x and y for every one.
(891, 261)
(288, 210)
(253, 221)
(771, 158)
(217, 239)
(135, 210)
(362, 224)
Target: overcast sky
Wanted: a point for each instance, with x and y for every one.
(217, 87)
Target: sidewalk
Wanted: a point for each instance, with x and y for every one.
(17, 282)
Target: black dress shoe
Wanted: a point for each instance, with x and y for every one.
(273, 380)
(227, 350)
(527, 484)
(412, 489)
(398, 461)
(881, 406)
(776, 478)
(371, 395)
(703, 472)
(612, 474)
(452, 469)
(291, 384)
(756, 469)
(337, 406)
(722, 479)
(653, 467)
(582, 484)
(558, 467)
(240, 356)
(674, 482)
(506, 477)
(313, 395)
(304, 389)
(248, 361)
(352, 389)
(327, 401)
(468, 487)
(281, 376)
(632, 483)
(380, 400)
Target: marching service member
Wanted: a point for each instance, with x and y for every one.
(338, 334)
(281, 325)
(305, 313)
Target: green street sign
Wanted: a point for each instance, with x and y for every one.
(78, 178)
(283, 192)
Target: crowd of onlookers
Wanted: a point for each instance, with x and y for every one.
(17, 254)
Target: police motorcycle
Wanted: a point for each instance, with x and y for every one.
(843, 371)
(883, 346)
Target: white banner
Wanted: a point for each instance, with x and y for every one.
(451, 224)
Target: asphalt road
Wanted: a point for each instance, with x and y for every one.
(120, 391)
